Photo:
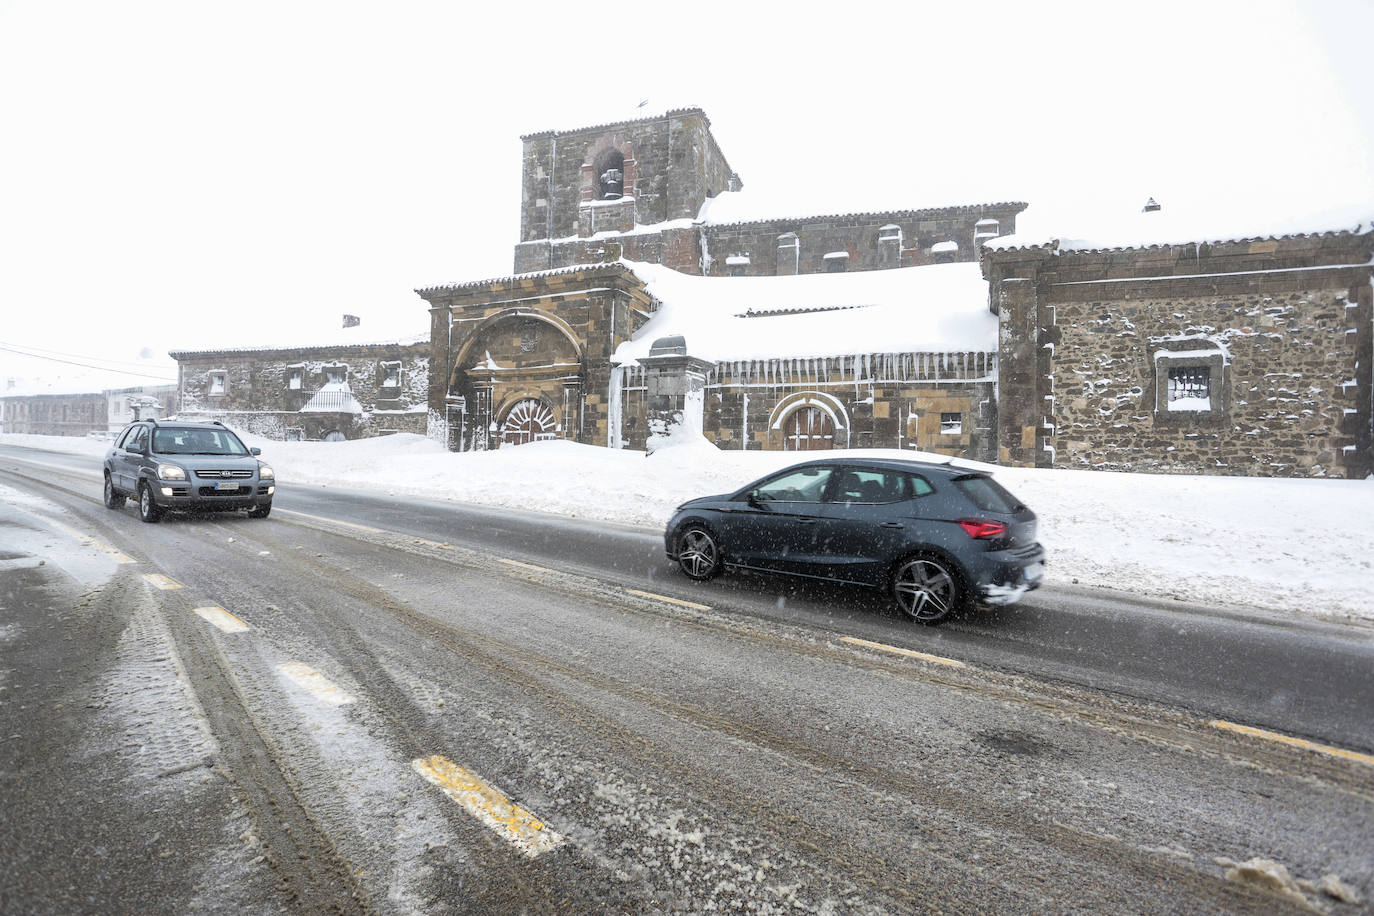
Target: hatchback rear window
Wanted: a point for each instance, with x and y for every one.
(987, 494)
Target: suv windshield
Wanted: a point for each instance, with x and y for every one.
(196, 442)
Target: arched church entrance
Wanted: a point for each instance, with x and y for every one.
(529, 420)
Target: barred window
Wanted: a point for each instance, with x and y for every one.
(951, 424)
(1190, 383)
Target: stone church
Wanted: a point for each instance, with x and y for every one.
(640, 309)
(634, 313)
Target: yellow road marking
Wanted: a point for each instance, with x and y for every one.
(161, 581)
(910, 653)
(690, 604)
(523, 565)
(90, 540)
(1293, 742)
(517, 826)
(219, 617)
(316, 684)
(332, 521)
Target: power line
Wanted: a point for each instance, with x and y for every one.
(42, 352)
(54, 359)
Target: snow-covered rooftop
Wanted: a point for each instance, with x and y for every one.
(734, 207)
(403, 332)
(933, 309)
(1177, 226)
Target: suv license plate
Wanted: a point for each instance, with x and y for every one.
(226, 485)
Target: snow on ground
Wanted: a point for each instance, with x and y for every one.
(1290, 545)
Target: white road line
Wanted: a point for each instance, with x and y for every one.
(314, 683)
(678, 601)
(222, 619)
(161, 581)
(909, 653)
(513, 823)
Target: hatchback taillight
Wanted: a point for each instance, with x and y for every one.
(982, 529)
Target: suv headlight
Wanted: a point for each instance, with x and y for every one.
(265, 472)
(170, 472)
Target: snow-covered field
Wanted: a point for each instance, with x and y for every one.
(1291, 545)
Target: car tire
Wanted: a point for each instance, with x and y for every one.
(148, 510)
(698, 552)
(928, 589)
(262, 510)
(113, 498)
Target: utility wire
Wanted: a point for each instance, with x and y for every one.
(40, 352)
(54, 359)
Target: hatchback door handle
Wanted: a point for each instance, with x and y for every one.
(806, 521)
(889, 524)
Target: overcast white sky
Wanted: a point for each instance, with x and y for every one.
(180, 174)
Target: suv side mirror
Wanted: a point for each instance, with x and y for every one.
(255, 451)
(754, 499)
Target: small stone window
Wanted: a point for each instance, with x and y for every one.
(391, 375)
(295, 378)
(951, 424)
(334, 375)
(1190, 384)
(219, 383)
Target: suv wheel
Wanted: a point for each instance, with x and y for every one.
(113, 498)
(928, 589)
(261, 510)
(147, 509)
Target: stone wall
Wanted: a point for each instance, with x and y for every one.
(873, 401)
(866, 241)
(270, 392)
(1280, 327)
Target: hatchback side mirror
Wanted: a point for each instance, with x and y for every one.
(255, 451)
(754, 499)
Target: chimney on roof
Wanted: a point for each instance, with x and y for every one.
(1150, 206)
(352, 321)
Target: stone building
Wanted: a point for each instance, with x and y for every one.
(344, 390)
(1194, 354)
(766, 349)
(75, 414)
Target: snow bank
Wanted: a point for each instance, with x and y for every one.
(1292, 545)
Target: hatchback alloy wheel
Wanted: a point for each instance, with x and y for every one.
(926, 590)
(697, 553)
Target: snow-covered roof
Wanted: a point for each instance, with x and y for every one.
(1178, 226)
(410, 332)
(939, 308)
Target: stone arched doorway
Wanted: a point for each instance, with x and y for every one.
(529, 420)
(808, 429)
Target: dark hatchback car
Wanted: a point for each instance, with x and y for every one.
(938, 537)
(167, 464)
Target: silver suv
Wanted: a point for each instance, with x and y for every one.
(169, 464)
